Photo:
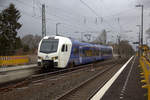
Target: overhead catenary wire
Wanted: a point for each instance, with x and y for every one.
(105, 16)
(50, 15)
(67, 18)
(95, 13)
(70, 26)
(50, 19)
(71, 14)
(81, 0)
(91, 9)
(92, 27)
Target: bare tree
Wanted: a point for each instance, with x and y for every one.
(102, 38)
(125, 49)
(31, 40)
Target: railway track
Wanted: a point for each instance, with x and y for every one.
(10, 85)
(51, 75)
(64, 72)
(88, 88)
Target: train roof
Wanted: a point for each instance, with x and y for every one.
(54, 37)
(77, 42)
(89, 44)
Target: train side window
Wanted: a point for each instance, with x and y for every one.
(76, 51)
(63, 48)
(66, 48)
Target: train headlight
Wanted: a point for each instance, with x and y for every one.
(55, 58)
(39, 57)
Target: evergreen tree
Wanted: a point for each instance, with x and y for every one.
(9, 25)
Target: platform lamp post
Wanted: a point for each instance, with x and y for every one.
(139, 26)
(57, 28)
(142, 6)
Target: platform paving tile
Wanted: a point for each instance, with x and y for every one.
(132, 90)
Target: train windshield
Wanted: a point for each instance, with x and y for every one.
(49, 45)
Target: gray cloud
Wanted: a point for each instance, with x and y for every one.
(146, 3)
(71, 14)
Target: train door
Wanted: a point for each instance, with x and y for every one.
(80, 55)
(64, 55)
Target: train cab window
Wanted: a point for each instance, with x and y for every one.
(66, 48)
(63, 48)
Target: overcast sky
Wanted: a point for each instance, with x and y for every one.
(76, 16)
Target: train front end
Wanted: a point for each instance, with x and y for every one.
(54, 52)
(48, 52)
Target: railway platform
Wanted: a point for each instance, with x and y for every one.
(116, 80)
(13, 73)
(13, 68)
(127, 85)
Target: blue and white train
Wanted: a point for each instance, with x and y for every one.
(63, 52)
